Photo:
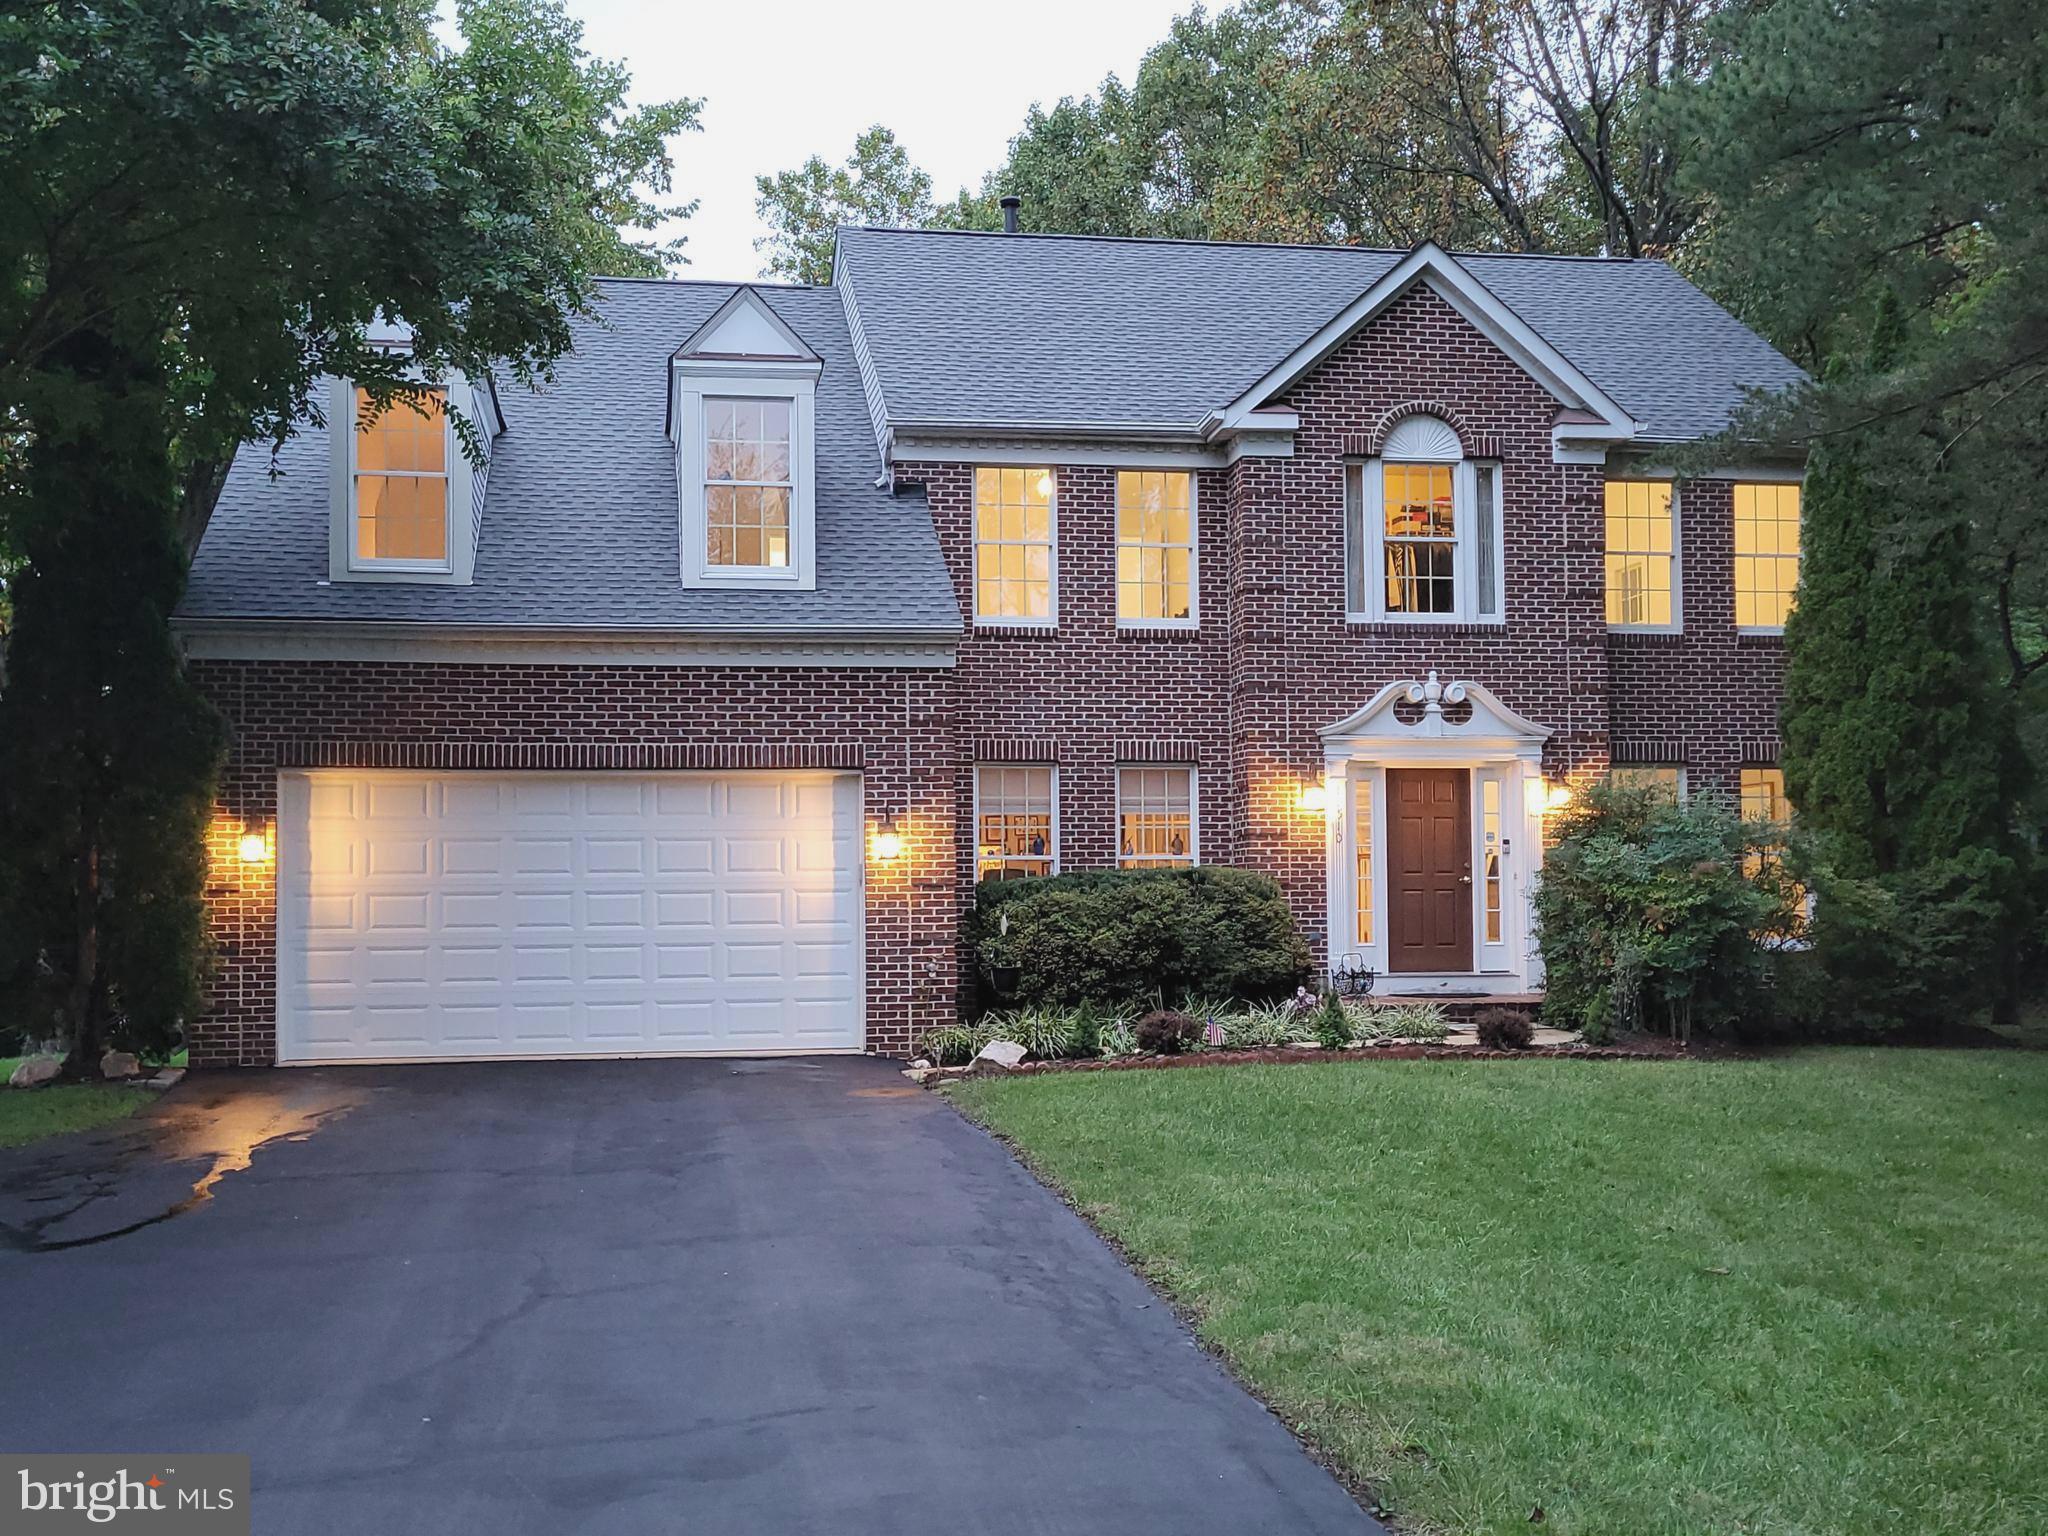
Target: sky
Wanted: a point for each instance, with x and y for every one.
(785, 81)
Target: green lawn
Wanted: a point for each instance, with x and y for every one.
(31, 1114)
(1797, 1296)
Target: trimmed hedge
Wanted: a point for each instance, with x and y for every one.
(1137, 938)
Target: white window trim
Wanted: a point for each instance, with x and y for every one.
(797, 386)
(345, 442)
(1194, 618)
(1465, 558)
(1053, 786)
(1677, 624)
(1116, 848)
(1050, 619)
(1798, 558)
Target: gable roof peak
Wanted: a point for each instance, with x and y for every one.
(746, 326)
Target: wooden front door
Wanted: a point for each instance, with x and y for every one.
(1429, 869)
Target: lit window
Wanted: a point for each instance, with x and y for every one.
(401, 489)
(1361, 836)
(746, 482)
(1666, 779)
(1013, 544)
(1422, 530)
(1490, 834)
(1421, 538)
(1155, 546)
(1763, 799)
(1014, 815)
(1155, 817)
(1639, 554)
(1766, 554)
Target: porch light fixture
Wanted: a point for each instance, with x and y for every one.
(888, 839)
(1314, 796)
(253, 847)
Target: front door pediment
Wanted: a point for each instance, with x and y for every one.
(1439, 724)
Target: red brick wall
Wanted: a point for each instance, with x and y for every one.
(895, 725)
(1707, 698)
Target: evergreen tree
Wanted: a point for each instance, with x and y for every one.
(1901, 747)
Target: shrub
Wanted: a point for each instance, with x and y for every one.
(1650, 909)
(950, 1045)
(1418, 1020)
(1331, 1024)
(1504, 1029)
(1047, 1033)
(1117, 1037)
(1167, 1032)
(1124, 939)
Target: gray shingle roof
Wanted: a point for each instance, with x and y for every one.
(579, 526)
(1159, 333)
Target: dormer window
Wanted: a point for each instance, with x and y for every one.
(406, 500)
(400, 504)
(744, 421)
(747, 481)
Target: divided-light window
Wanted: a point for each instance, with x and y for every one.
(1423, 530)
(1155, 546)
(1155, 810)
(1013, 545)
(1014, 826)
(1766, 554)
(1641, 555)
(746, 482)
(401, 481)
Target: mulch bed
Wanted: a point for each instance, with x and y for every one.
(1635, 1048)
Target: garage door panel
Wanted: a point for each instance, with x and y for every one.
(472, 915)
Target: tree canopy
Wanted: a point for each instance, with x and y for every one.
(803, 208)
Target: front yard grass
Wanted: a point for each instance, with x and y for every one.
(1801, 1296)
(31, 1114)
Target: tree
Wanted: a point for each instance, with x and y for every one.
(804, 208)
(1881, 203)
(204, 204)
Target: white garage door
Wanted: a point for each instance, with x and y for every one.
(426, 916)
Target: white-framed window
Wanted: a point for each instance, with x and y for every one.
(1155, 548)
(749, 478)
(1642, 555)
(1155, 817)
(1014, 521)
(1423, 530)
(1766, 554)
(1667, 779)
(398, 483)
(746, 464)
(1016, 820)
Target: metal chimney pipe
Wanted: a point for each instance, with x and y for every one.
(1011, 204)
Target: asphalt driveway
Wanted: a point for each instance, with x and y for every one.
(661, 1296)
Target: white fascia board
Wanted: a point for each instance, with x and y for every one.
(299, 640)
(864, 360)
(1044, 429)
(1034, 451)
(1430, 263)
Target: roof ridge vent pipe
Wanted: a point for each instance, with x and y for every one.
(1010, 203)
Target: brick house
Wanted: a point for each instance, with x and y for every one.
(686, 718)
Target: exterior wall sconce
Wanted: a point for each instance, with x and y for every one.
(888, 840)
(253, 847)
(1314, 796)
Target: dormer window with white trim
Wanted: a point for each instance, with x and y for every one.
(744, 421)
(1422, 530)
(400, 505)
(406, 496)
